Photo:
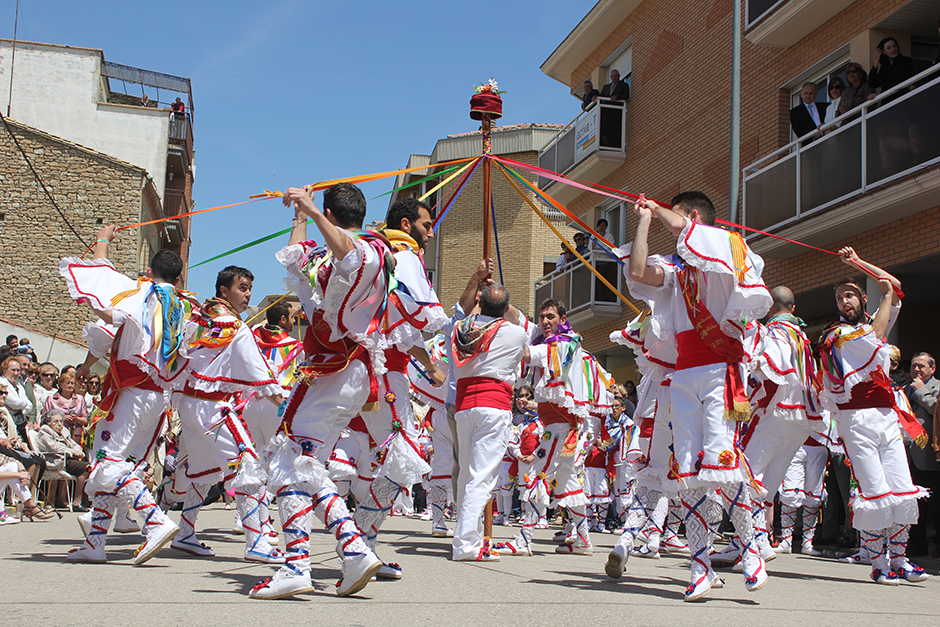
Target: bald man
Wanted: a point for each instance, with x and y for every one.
(784, 415)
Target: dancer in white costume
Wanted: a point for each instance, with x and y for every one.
(648, 457)
(856, 389)
(337, 287)
(571, 392)
(439, 489)
(392, 424)
(599, 469)
(223, 359)
(488, 352)
(803, 487)
(716, 288)
(141, 324)
(783, 395)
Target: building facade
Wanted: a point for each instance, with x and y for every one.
(76, 142)
(871, 181)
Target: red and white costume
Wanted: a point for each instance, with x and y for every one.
(857, 390)
(223, 360)
(143, 342)
(487, 354)
(440, 492)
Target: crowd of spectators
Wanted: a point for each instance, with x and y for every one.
(584, 244)
(43, 420)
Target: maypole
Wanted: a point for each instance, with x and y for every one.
(486, 106)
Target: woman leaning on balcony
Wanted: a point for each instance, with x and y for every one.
(857, 91)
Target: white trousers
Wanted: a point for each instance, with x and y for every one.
(803, 481)
(770, 444)
(483, 433)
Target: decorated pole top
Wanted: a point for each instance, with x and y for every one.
(486, 106)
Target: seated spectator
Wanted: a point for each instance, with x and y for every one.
(16, 401)
(72, 405)
(807, 117)
(179, 109)
(835, 97)
(48, 375)
(590, 95)
(63, 453)
(601, 229)
(616, 89)
(13, 476)
(857, 90)
(12, 446)
(564, 258)
(891, 68)
(145, 100)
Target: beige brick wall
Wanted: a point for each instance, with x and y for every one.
(678, 123)
(33, 237)
(524, 240)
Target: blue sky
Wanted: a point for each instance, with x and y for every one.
(292, 92)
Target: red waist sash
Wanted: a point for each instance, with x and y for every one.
(395, 360)
(483, 392)
(189, 390)
(551, 414)
(878, 395)
(693, 351)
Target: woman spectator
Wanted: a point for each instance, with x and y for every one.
(835, 96)
(16, 400)
(891, 67)
(17, 479)
(13, 457)
(93, 390)
(857, 90)
(48, 374)
(63, 453)
(72, 405)
(630, 388)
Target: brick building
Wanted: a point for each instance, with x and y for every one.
(105, 156)
(528, 248)
(872, 182)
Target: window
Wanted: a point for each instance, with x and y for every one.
(756, 9)
(821, 76)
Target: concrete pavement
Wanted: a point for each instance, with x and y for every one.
(40, 588)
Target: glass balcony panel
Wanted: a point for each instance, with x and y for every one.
(903, 135)
(565, 151)
(580, 286)
(771, 195)
(610, 270)
(830, 168)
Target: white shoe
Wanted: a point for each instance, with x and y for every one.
(767, 553)
(192, 545)
(446, 532)
(158, 538)
(88, 553)
(264, 553)
(698, 589)
(757, 579)
(285, 583)
(499, 520)
(510, 548)
(646, 551)
(426, 515)
(357, 572)
(727, 555)
(542, 524)
(783, 547)
(617, 562)
(809, 549)
(388, 571)
(123, 523)
(571, 549)
(675, 546)
(84, 521)
(6, 519)
(238, 528)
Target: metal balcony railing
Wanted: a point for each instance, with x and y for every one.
(181, 132)
(890, 138)
(576, 287)
(600, 128)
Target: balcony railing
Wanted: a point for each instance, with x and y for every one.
(181, 132)
(599, 129)
(890, 138)
(578, 288)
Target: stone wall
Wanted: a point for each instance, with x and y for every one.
(91, 189)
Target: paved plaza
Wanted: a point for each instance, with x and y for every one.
(40, 588)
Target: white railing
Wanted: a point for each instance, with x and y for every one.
(577, 287)
(601, 127)
(883, 140)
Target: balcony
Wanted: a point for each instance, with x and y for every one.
(180, 149)
(589, 302)
(590, 147)
(785, 22)
(874, 165)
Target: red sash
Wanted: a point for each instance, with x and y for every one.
(121, 375)
(551, 414)
(189, 390)
(877, 394)
(483, 392)
(708, 338)
(326, 357)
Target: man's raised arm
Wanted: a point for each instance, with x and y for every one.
(335, 239)
(639, 270)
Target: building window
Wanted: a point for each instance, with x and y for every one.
(821, 77)
(756, 9)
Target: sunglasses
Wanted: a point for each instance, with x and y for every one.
(831, 87)
(853, 71)
(47, 374)
(3, 393)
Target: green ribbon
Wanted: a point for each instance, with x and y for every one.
(248, 245)
(421, 180)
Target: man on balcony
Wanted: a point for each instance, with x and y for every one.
(808, 116)
(590, 95)
(616, 89)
